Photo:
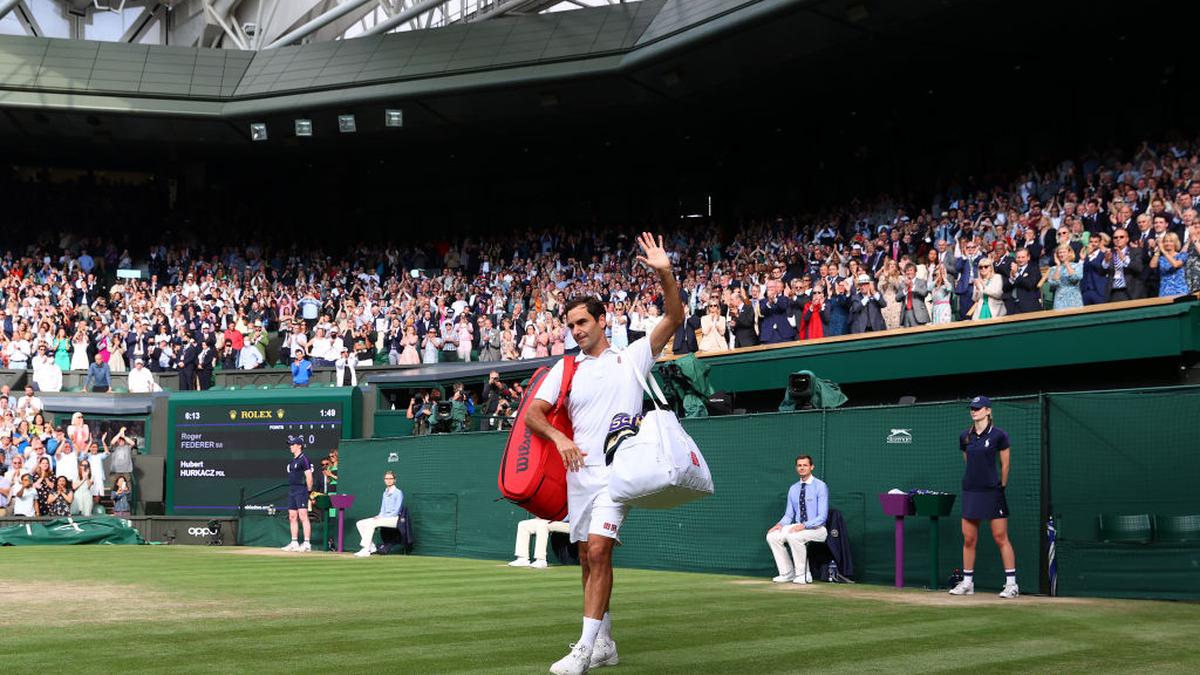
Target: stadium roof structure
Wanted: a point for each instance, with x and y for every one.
(612, 54)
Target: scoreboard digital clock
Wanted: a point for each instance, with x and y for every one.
(221, 450)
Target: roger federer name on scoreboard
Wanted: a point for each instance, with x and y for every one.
(197, 442)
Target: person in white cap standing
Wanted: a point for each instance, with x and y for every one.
(141, 380)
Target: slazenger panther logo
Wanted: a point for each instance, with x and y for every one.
(900, 436)
(200, 532)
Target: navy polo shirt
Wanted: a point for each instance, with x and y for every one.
(296, 469)
(981, 450)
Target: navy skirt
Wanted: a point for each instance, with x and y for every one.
(984, 504)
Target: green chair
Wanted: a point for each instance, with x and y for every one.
(1177, 529)
(1126, 529)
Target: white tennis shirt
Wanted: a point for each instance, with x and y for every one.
(602, 387)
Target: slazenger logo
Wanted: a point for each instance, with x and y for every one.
(200, 532)
(900, 436)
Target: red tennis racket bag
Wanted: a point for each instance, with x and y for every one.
(532, 474)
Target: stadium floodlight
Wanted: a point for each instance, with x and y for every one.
(258, 131)
(393, 118)
(346, 124)
(304, 127)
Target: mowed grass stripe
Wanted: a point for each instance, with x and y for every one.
(435, 615)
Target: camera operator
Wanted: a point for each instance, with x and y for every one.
(503, 418)
(495, 393)
(420, 407)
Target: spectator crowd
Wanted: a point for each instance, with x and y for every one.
(49, 469)
(1098, 229)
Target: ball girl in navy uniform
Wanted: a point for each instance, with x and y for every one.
(983, 495)
(300, 481)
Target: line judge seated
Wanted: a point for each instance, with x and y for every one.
(542, 529)
(389, 515)
(802, 522)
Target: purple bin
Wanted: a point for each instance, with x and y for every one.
(899, 506)
(894, 505)
(341, 503)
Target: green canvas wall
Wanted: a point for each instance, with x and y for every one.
(450, 486)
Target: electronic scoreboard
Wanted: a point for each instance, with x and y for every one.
(222, 449)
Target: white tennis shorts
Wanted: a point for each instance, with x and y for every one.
(590, 508)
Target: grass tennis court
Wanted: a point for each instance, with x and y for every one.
(193, 609)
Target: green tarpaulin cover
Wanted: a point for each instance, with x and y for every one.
(94, 530)
(687, 385)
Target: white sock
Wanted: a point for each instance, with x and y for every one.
(969, 576)
(295, 542)
(590, 628)
(1010, 577)
(606, 627)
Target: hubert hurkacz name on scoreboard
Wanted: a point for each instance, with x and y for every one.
(197, 442)
(197, 470)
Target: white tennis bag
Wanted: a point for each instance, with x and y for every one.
(660, 467)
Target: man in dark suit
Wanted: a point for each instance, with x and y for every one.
(874, 258)
(137, 343)
(799, 294)
(775, 310)
(188, 360)
(896, 247)
(1127, 270)
(966, 271)
(206, 360)
(1094, 286)
(865, 308)
(685, 335)
(745, 333)
(1025, 275)
(837, 306)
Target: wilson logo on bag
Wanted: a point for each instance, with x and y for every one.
(532, 474)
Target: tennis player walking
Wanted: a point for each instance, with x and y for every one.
(983, 495)
(604, 385)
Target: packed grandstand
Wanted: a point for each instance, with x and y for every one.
(1087, 230)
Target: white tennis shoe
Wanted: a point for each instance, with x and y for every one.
(604, 653)
(305, 548)
(539, 564)
(519, 562)
(783, 578)
(291, 547)
(964, 587)
(363, 553)
(1010, 591)
(575, 663)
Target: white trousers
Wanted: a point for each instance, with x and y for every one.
(542, 528)
(797, 563)
(366, 527)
